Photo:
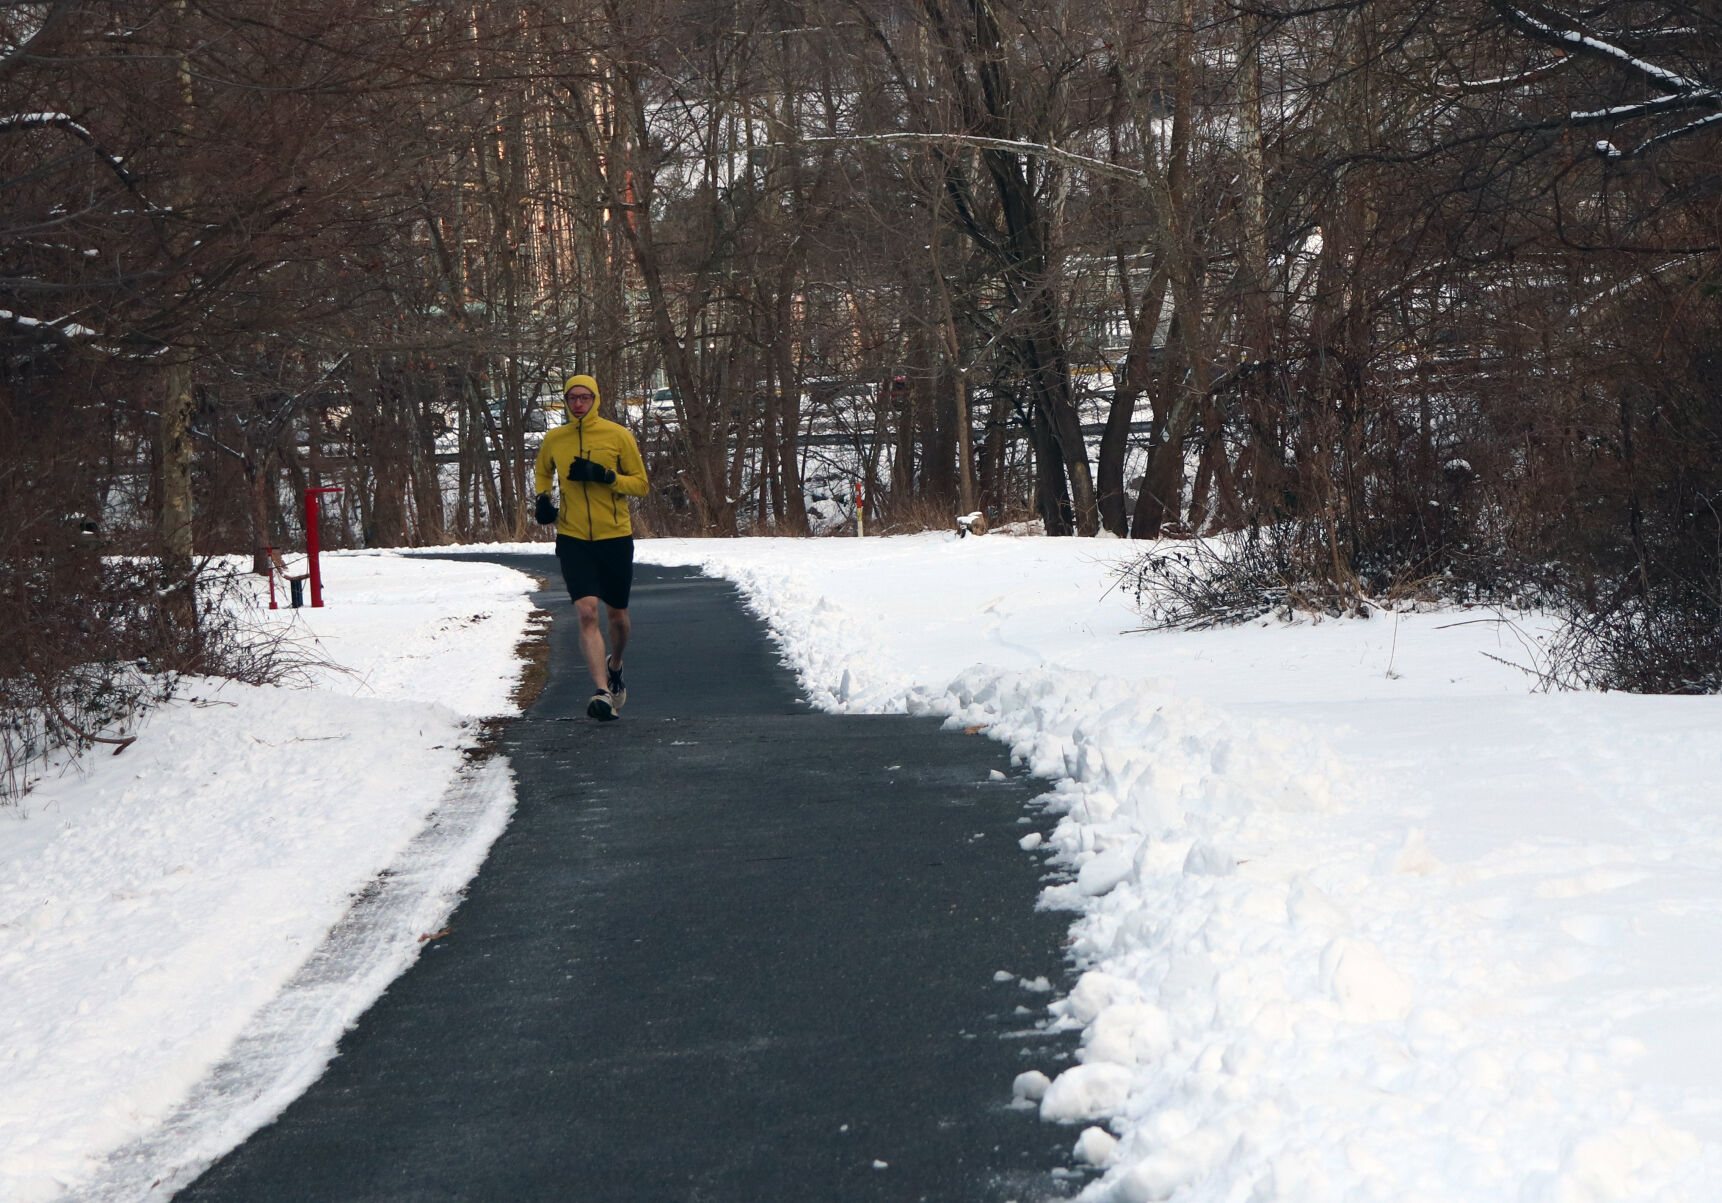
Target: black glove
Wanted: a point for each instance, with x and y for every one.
(585, 469)
(546, 510)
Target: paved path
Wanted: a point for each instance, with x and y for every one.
(729, 949)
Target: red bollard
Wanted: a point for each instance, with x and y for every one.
(313, 540)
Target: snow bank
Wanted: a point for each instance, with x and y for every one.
(154, 903)
(1356, 916)
(1281, 999)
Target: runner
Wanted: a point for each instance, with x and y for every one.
(597, 466)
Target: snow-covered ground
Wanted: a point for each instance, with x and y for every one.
(158, 907)
(1358, 915)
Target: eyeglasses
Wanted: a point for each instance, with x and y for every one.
(579, 395)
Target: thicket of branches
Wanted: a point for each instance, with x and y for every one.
(1427, 291)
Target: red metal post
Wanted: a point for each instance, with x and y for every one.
(269, 554)
(313, 540)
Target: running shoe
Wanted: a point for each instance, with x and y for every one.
(618, 688)
(601, 707)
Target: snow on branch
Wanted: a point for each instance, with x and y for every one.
(1033, 149)
(1519, 79)
(40, 120)
(60, 121)
(1574, 38)
(1627, 285)
(61, 328)
(1691, 127)
(1668, 103)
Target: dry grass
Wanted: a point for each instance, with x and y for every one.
(534, 653)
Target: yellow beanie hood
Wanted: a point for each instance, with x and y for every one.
(584, 382)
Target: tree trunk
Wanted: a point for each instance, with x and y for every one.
(789, 414)
(174, 439)
(1263, 453)
(1176, 398)
(259, 477)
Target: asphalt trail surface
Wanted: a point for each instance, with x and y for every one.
(729, 949)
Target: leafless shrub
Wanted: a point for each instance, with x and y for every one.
(238, 642)
(1659, 644)
(914, 514)
(111, 642)
(1647, 618)
(1316, 568)
(1207, 583)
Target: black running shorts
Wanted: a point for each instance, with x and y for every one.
(601, 568)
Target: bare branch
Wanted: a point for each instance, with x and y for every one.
(1569, 34)
(1010, 145)
(1693, 127)
(60, 121)
(55, 16)
(1507, 82)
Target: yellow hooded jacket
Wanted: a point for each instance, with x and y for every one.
(591, 510)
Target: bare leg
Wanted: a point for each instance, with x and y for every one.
(620, 626)
(592, 640)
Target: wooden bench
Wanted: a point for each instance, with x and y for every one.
(295, 581)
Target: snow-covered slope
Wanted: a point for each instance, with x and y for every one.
(153, 903)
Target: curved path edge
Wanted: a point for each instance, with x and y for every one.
(729, 949)
(288, 1044)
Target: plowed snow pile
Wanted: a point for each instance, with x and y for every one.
(1357, 914)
